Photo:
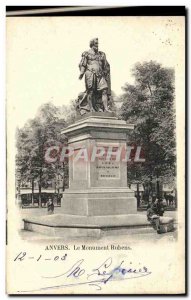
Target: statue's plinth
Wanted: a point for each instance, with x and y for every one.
(98, 187)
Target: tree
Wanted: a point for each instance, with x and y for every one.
(25, 160)
(32, 142)
(149, 104)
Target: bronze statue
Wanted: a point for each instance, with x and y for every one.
(97, 80)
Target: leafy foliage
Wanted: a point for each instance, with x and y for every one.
(149, 104)
(32, 142)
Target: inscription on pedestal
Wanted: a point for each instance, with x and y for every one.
(108, 169)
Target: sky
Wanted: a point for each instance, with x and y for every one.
(43, 54)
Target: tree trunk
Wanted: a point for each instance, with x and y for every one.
(151, 187)
(40, 187)
(138, 196)
(32, 194)
(158, 187)
(39, 195)
(63, 188)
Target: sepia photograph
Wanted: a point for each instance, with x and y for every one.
(95, 154)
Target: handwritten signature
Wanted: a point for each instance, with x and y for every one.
(98, 277)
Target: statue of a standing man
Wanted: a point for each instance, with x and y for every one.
(97, 77)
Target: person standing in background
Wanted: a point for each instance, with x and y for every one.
(50, 206)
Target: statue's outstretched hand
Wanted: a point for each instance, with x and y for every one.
(81, 76)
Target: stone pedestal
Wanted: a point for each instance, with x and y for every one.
(98, 187)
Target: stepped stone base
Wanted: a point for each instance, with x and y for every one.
(69, 226)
